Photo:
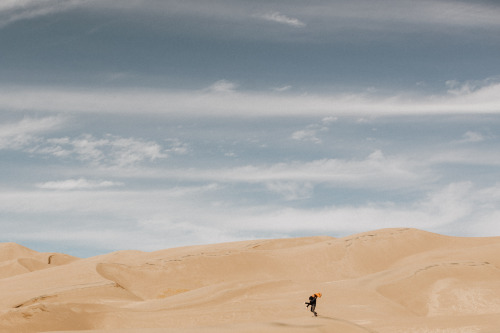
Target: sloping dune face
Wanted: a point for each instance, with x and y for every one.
(16, 259)
(391, 280)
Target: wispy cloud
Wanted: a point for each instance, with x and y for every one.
(77, 184)
(458, 88)
(283, 19)
(110, 150)
(177, 147)
(310, 133)
(15, 10)
(222, 86)
(375, 170)
(291, 190)
(461, 13)
(471, 136)
(15, 135)
(405, 14)
(282, 89)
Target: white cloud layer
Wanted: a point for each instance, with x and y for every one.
(138, 220)
(485, 100)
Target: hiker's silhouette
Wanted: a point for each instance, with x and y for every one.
(312, 303)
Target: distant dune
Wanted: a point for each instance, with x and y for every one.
(390, 280)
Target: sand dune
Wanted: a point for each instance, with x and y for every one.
(391, 280)
(16, 259)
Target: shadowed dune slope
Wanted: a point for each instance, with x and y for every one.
(390, 280)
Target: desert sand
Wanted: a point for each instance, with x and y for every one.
(390, 280)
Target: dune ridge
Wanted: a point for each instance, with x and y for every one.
(389, 280)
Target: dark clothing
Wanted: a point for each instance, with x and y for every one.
(312, 303)
(313, 307)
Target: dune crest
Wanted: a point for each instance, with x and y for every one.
(16, 259)
(390, 280)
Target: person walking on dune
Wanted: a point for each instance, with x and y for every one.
(312, 303)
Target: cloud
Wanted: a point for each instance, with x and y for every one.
(471, 136)
(118, 201)
(15, 135)
(335, 13)
(461, 13)
(328, 120)
(77, 184)
(222, 86)
(458, 88)
(15, 10)
(404, 15)
(310, 133)
(467, 156)
(110, 150)
(221, 99)
(291, 190)
(442, 210)
(282, 89)
(199, 214)
(334, 17)
(376, 170)
(283, 19)
(177, 147)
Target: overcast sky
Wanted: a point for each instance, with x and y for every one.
(149, 124)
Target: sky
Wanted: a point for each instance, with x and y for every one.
(151, 124)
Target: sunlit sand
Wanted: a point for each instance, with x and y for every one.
(390, 280)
